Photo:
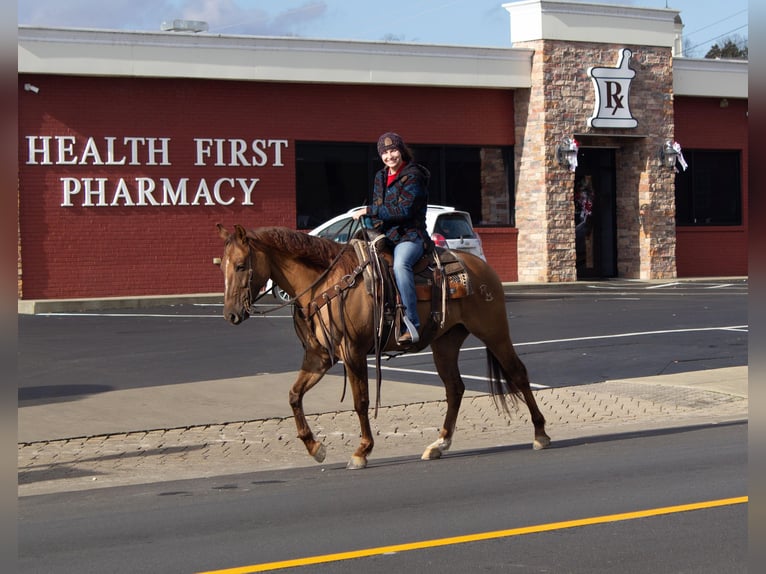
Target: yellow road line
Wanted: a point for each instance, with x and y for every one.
(266, 566)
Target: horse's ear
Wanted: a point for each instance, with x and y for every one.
(241, 233)
(222, 231)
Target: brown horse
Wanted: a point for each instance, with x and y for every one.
(334, 318)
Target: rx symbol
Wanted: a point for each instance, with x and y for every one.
(613, 97)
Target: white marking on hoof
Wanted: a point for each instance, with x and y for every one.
(541, 442)
(436, 449)
(357, 463)
(321, 453)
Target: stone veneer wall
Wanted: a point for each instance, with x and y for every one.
(559, 104)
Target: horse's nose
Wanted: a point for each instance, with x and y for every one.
(233, 318)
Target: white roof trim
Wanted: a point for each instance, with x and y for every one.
(590, 22)
(182, 55)
(710, 78)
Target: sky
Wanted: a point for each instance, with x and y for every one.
(452, 22)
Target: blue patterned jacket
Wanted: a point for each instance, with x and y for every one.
(399, 210)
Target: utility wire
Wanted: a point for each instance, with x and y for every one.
(716, 38)
(705, 42)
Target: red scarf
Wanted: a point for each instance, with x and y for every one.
(392, 176)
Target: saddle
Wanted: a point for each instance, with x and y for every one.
(440, 275)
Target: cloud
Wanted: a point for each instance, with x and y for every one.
(118, 14)
(230, 17)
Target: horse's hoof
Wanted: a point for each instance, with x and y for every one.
(357, 463)
(541, 442)
(320, 453)
(436, 449)
(431, 454)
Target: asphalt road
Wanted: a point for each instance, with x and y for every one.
(566, 334)
(225, 522)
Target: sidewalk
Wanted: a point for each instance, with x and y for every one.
(213, 428)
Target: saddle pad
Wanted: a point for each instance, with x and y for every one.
(458, 284)
(457, 287)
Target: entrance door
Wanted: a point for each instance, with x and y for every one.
(594, 197)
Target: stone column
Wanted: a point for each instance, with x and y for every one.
(559, 104)
(544, 207)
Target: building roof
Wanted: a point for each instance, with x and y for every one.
(110, 53)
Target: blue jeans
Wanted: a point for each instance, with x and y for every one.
(406, 254)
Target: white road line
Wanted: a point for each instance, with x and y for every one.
(435, 374)
(371, 364)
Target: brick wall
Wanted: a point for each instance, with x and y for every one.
(500, 246)
(103, 251)
(704, 123)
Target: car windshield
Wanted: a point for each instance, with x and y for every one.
(338, 231)
(453, 227)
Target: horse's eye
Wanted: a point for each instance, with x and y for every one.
(240, 268)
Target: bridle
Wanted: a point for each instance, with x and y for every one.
(346, 282)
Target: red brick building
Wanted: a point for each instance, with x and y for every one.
(132, 146)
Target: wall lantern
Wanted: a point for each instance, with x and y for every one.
(566, 153)
(670, 153)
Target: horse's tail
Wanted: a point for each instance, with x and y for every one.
(500, 386)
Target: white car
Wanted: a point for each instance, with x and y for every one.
(447, 226)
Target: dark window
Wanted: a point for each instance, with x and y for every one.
(334, 177)
(709, 191)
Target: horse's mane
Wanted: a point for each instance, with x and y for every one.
(316, 252)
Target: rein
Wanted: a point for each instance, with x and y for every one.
(292, 301)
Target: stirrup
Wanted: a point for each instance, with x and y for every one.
(411, 331)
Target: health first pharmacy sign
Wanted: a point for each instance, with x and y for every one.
(132, 153)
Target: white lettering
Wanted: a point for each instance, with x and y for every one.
(202, 192)
(45, 150)
(219, 152)
(66, 148)
(153, 151)
(217, 191)
(203, 150)
(90, 151)
(110, 152)
(123, 193)
(262, 158)
(278, 145)
(236, 152)
(248, 189)
(71, 186)
(145, 191)
(238, 148)
(99, 192)
(176, 196)
(133, 143)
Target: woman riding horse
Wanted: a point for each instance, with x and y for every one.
(334, 319)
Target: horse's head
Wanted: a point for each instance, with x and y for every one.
(245, 271)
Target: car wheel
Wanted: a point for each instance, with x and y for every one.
(279, 294)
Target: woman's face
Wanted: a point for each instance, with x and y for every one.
(392, 158)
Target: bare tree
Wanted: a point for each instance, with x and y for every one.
(730, 48)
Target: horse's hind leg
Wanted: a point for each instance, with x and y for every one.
(445, 351)
(314, 366)
(515, 373)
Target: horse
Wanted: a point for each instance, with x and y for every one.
(334, 319)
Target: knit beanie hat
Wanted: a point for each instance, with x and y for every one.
(390, 140)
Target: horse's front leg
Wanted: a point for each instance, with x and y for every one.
(315, 365)
(356, 369)
(445, 352)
